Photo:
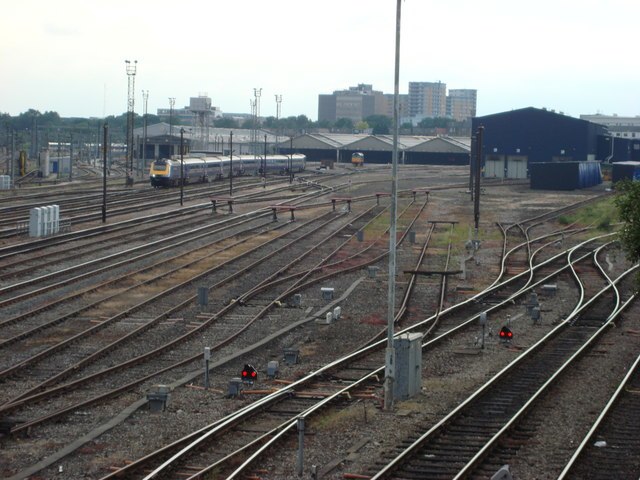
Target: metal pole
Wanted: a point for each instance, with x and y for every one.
(290, 159)
(104, 174)
(264, 170)
(207, 357)
(145, 96)
(472, 160)
(278, 102)
(71, 156)
(300, 463)
(181, 167)
(476, 196)
(13, 159)
(390, 353)
(231, 164)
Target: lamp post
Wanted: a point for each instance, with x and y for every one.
(390, 350)
(181, 167)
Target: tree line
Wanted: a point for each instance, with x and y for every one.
(50, 126)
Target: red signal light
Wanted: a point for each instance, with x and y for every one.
(505, 334)
(249, 373)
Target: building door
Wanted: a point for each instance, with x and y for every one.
(494, 166)
(516, 166)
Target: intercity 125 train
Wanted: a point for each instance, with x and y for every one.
(166, 173)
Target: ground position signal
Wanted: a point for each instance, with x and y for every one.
(249, 373)
(505, 334)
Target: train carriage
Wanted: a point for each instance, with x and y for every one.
(167, 172)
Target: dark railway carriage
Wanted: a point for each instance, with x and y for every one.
(167, 172)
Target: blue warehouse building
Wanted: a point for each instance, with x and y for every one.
(513, 141)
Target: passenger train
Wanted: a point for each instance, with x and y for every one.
(166, 173)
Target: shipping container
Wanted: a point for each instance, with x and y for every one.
(564, 175)
(624, 170)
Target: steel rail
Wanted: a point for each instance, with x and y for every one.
(454, 413)
(157, 319)
(613, 401)
(466, 470)
(260, 403)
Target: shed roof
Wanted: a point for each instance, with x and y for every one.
(365, 142)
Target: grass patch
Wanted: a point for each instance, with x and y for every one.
(601, 214)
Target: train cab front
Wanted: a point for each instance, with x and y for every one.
(160, 173)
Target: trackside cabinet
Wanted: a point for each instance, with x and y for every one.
(408, 365)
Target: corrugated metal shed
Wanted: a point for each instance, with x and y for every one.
(539, 135)
(379, 148)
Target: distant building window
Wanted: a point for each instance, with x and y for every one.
(636, 146)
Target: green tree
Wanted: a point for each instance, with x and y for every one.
(380, 124)
(344, 124)
(628, 203)
(225, 122)
(361, 126)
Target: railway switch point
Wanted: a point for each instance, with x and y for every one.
(273, 368)
(159, 399)
(327, 293)
(235, 387)
(291, 356)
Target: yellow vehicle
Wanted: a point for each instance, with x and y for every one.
(357, 159)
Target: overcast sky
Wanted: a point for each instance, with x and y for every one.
(69, 55)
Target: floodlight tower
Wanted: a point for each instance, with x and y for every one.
(145, 96)
(252, 140)
(278, 102)
(131, 76)
(257, 92)
(172, 102)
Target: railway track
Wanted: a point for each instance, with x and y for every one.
(457, 445)
(32, 395)
(301, 272)
(611, 448)
(256, 446)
